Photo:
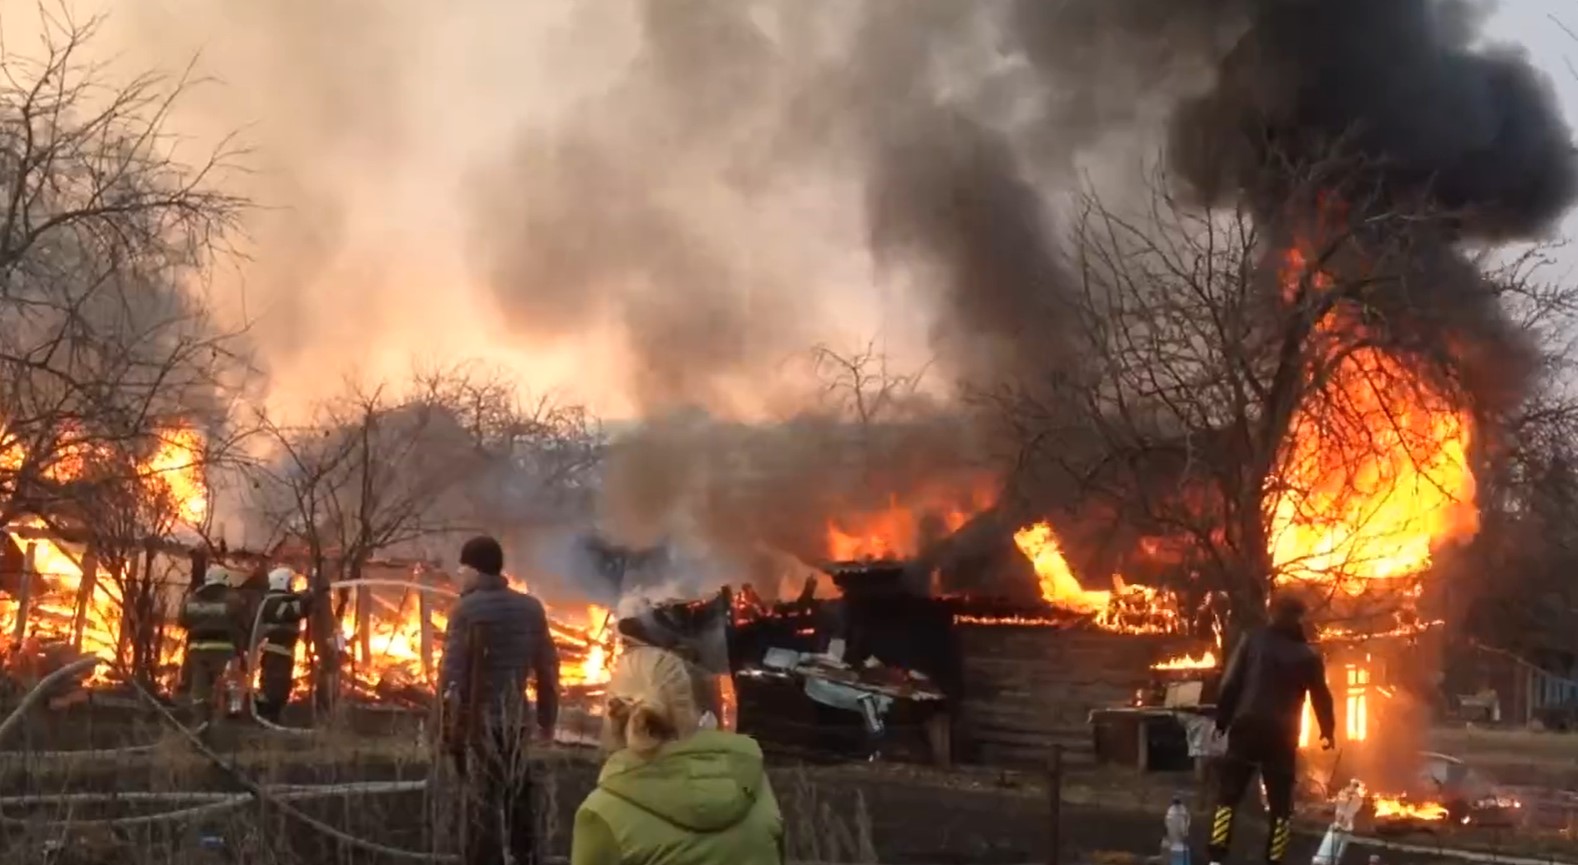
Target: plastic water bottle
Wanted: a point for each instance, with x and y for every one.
(1177, 833)
(1335, 842)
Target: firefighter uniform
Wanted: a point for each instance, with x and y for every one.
(279, 621)
(212, 617)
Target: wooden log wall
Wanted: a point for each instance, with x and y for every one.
(1029, 688)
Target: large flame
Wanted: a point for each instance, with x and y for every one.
(65, 607)
(1059, 586)
(175, 469)
(1374, 474)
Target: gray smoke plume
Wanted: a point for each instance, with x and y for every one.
(752, 492)
(625, 215)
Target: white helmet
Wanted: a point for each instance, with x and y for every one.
(216, 574)
(279, 579)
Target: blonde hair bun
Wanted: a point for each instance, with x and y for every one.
(651, 701)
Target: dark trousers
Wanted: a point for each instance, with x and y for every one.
(278, 676)
(1273, 750)
(499, 808)
(206, 670)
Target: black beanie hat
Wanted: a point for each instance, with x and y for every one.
(484, 554)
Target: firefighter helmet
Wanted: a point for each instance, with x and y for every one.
(279, 579)
(216, 574)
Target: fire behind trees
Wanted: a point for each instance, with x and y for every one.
(114, 377)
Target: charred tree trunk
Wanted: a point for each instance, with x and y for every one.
(85, 591)
(144, 651)
(323, 628)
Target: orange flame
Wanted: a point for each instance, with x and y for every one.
(1126, 608)
(1399, 808)
(1204, 661)
(897, 531)
(176, 470)
(58, 591)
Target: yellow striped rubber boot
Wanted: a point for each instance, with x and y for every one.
(1277, 841)
(1221, 833)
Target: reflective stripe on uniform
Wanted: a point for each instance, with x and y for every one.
(278, 650)
(207, 646)
(1279, 840)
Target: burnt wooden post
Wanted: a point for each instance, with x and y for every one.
(85, 590)
(24, 592)
(364, 636)
(424, 611)
(1055, 805)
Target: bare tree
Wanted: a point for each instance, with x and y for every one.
(379, 469)
(860, 384)
(102, 233)
(1245, 380)
(112, 370)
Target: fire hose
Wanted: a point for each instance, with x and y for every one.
(255, 649)
(37, 693)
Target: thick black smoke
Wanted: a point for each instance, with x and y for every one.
(1249, 93)
(1474, 131)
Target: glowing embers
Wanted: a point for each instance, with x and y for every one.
(1355, 691)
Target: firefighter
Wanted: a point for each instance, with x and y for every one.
(1260, 706)
(279, 624)
(212, 617)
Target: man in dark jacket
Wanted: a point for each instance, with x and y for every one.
(1260, 706)
(279, 628)
(496, 639)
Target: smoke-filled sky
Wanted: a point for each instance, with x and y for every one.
(644, 204)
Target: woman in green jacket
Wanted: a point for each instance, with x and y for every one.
(670, 793)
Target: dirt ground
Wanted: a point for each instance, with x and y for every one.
(839, 813)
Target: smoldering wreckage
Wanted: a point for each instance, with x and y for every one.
(983, 644)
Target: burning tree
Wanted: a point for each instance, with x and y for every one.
(112, 371)
(1287, 395)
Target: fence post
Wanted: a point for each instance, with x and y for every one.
(85, 591)
(1055, 805)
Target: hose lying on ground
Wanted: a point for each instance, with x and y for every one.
(272, 800)
(38, 691)
(211, 802)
